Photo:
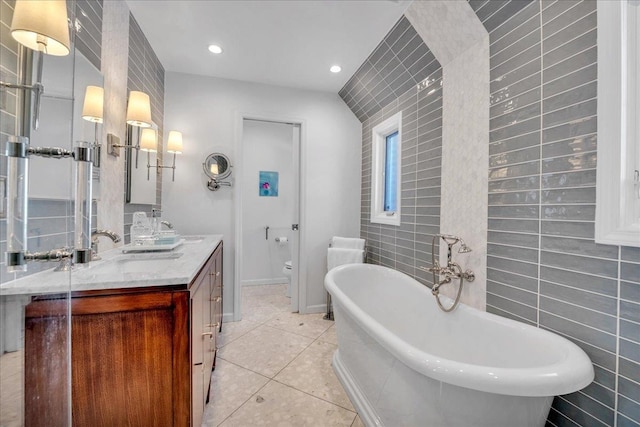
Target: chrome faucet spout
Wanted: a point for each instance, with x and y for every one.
(115, 238)
(168, 224)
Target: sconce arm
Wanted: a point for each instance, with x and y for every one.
(37, 88)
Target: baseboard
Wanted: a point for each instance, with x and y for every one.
(228, 317)
(258, 282)
(364, 409)
(318, 308)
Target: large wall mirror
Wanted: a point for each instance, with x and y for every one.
(140, 178)
(65, 79)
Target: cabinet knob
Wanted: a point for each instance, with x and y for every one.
(213, 325)
(217, 273)
(204, 334)
(216, 299)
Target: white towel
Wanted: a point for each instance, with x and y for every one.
(347, 243)
(340, 256)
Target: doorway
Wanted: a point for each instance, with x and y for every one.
(268, 209)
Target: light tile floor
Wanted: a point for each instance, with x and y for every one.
(274, 368)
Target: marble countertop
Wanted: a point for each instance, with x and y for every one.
(118, 270)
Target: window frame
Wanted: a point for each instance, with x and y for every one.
(378, 162)
(618, 141)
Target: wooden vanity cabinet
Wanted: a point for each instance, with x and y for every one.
(139, 356)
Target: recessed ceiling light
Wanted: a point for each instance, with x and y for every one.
(214, 48)
(335, 69)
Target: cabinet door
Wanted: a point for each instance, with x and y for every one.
(218, 287)
(203, 338)
(127, 362)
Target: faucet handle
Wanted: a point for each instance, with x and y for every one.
(156, 213)
(435, 269)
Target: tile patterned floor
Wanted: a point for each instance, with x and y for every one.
(274, 368)
(11, 390)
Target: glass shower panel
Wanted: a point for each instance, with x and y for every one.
(35, 328)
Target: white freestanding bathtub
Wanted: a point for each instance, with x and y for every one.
(404, 362)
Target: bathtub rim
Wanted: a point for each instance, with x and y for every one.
(568, 375)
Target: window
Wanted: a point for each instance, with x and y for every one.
(618, 168)
(385, 169)
(391, 173)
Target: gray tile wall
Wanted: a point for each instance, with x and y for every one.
(389, 82)
(145, 74)
(88, 16)
(396, 65)
(544, 267)
(408, 247)
(9, 50)
(386, 83)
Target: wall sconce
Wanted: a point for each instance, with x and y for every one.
(138, 115)
(139, 109)
(174, 146)
(42, 26)
(148, 143)
(93, 111)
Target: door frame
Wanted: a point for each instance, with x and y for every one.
(299, 292)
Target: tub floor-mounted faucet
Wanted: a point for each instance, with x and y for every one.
(449, 272)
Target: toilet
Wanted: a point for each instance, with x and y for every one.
(286, 270)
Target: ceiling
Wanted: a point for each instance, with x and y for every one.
(280, 42)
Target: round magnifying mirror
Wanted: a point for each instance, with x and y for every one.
(217, 166)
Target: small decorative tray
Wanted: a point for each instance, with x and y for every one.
(151, 247)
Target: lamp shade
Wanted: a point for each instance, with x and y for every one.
(139, 109)
(92, 109)
(174, 143)
(42, 25)
(148, 140)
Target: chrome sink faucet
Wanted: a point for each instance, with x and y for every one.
(115, 238)
(168, 224)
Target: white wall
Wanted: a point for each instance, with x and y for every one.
(267, 147)
(207, 109)
(115, 45)
(460, 42)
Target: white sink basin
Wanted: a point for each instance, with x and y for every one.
(135, 263)
(155, 256)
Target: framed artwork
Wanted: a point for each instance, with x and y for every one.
(268, 184)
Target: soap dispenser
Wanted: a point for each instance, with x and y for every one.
(155, 220)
